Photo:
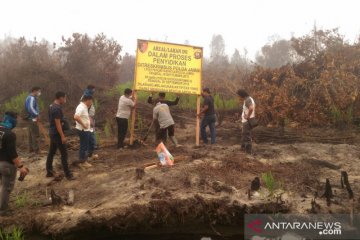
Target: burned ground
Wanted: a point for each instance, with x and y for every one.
(206, 191)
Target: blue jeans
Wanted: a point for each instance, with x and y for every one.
(84, 145)
(208, 120)
(92, 143)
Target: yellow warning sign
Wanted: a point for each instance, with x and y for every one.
(166, 67)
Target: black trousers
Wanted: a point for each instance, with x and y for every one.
(246, 138)
(122, 130)
(56, 143)
(164, 132)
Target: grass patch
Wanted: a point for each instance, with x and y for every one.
(22, 200)
(17, 104)
(187, 102)
(269, 182)
(108, 130)
(15, 233)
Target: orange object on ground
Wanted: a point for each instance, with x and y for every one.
(164, 155)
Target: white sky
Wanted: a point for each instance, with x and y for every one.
(243, 23)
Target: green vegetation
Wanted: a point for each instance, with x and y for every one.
(187, 102)
(341, 117)
(139, 122)
(269, 181)
(22, 200)
(17, 103)
(15, 234)
(108, 128)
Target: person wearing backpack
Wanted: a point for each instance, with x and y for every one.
(9, 161)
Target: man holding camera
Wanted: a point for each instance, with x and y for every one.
(9, 160)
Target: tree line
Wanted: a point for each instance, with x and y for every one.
(313, 79)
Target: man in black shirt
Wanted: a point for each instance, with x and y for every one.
(57, 137)
(161, 99)
(9, 160)
(209, 118)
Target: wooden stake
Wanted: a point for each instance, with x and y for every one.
(197, 120)
(133, 118)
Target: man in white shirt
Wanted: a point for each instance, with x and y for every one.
(83, 126)
(126, 104)
(247, 113)
(162, 114)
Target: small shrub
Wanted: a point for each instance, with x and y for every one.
(108, 128)
(17, 103)
(15, 234)
(22, 200)
(269, 181)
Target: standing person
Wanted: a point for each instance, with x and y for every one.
(209, 118)
(32, 110)
(9, 161)
(162, 114)
(161, 99)
(247, 113)
(57, 137)
(83, 127)
(126, 104)
(89, 91)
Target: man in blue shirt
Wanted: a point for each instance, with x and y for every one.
(32, 109)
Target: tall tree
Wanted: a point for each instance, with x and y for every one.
(275, 55)
(217, 49)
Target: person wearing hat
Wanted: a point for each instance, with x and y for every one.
(9, 160)
(209, 117)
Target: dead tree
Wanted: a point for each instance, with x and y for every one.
(328, 194)
(345, 181)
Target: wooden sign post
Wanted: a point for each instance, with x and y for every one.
(197, 120)
(133, 118)
(167, 67)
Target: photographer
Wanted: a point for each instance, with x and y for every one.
(9, 160)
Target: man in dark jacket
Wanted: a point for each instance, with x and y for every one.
(9, 160)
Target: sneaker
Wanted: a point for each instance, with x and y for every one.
(94, 157)
(70, 177)
(50, 174)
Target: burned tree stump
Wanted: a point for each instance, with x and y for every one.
(255, 184)
(140, 173)
(55, 199)
(328, 194)
(345, 181)
(314, 206)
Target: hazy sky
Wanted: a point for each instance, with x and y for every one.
(243, 23)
